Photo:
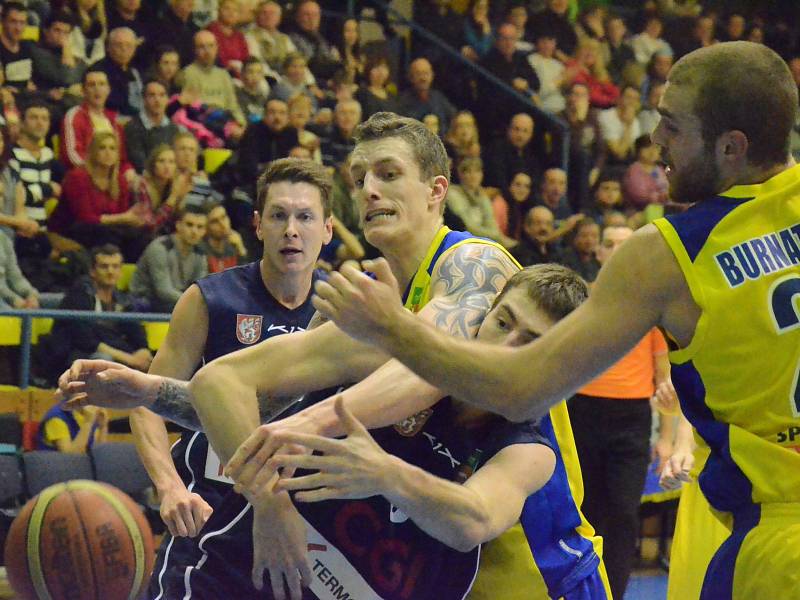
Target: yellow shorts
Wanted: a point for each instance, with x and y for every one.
(698, 535)
(760, 558)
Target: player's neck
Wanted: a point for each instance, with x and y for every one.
(753, 175)
(406, 257)
(289, 289)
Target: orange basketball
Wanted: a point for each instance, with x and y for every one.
(79, 540)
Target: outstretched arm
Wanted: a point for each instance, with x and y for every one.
(639, 287)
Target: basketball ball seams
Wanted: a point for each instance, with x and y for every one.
(34, 540)
(130, 524)
(85, 533)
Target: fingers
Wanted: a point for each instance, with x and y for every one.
(201, 511)
(324, 307)
(306, 482)
(246, 450)
(380, 268)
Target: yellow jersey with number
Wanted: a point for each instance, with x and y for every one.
(738, 378)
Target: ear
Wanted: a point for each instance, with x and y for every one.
(257, 225)
(439, 188)
(732, 147)
(326, 239)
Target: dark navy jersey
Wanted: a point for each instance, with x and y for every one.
(367, 548)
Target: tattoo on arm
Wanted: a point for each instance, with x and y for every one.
(173, 401)
(465, 285)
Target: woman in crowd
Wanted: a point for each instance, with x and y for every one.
(645, 181)
(376, 94)
(165, 68)
(519, 202)
(588, 68)
(88, 38)
(349, 46)
(462, 139)
(95, 206)
(478, 36)
(160, 190)
(187, 162)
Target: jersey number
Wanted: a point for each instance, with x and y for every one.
(786, 318)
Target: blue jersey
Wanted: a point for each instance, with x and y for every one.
(364, 548)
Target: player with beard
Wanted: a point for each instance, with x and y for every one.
(720, 279)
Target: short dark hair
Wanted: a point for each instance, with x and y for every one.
(105, 250)
(742, 86)
(250, 60)
(17, 6)
(296, 170)
(154, 80)
(190, 209)
(554, 288)
(89, 71)
(59, 16)
(34, 102)
(427, 148)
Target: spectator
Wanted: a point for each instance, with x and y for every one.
(129, 13)
(536, 245)
(88, 38)
(514, 154)
(212, 84)
(349, 48)
(176, 29)
(263, 142)
(82, 122)
(16, 59)
(587, 68)
(339, 143)
(554, 20)
(469, 202)
(550, 72)
(517, 15)
(580, 256)
(72, 431)
(437, 16)
(520, 201)
(124, 342)
(478, 36)
(265, 41)
(161, 190)
(95, 207)
(755, 34)
(56, 72)
(657, 71)
(649, 41)
(619, 127)
(204, 12)
(374, 94)
(294, 81)
(323, 59)
(591, 23)
(124, 79)
(735, 26)
(299, 116)
(462, 139)
(422, 99)
(649, 116)
(187, 161)
(232, 46)
(553, 194)
(611, 419)
(617, 52)
(166, 67)
(34, 164)
(15, 290)
(151, 127)
(702, 36)
(645, 180)
(171, 263)
(586, 150)
(606, 197)
(222, 246)
(13, 215)
(253, 93)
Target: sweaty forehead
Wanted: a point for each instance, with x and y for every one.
(293, 196)
(375, 152)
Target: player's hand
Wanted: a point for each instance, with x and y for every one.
(363, 307)
(184, 512)
(661, 453)
(108, 384)
(353, 467)
(248, 466)
(279, 546)
(665, 399)
(676, 470)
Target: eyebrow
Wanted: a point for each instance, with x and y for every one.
(513, 318)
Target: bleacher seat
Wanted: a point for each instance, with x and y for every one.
(10, 429)
(126, 274)
(119, 464)
(43, 468)
(11, 487)
(214, 158)
(31, 33)
(156, 333)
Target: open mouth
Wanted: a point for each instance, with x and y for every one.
(291, 251)
(379, 214)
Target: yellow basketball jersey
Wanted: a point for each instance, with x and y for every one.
(509, 567)
(738, 378)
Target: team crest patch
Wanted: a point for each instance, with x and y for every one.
(412, 425)
(248, 328)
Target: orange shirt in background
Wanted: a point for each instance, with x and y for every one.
(632, 376)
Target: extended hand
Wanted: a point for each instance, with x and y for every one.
(363, 307)
(353, 467)
(108, 384)
(676, 470)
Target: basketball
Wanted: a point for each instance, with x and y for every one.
(80, 540)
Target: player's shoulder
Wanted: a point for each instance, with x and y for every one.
(475, 255)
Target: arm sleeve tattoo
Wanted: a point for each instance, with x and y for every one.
(464, 287)
(174, 402)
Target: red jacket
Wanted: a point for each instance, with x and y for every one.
(77, 132)
(82, 202)
(231, 47)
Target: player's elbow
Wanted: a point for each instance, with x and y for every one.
(216, 379)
